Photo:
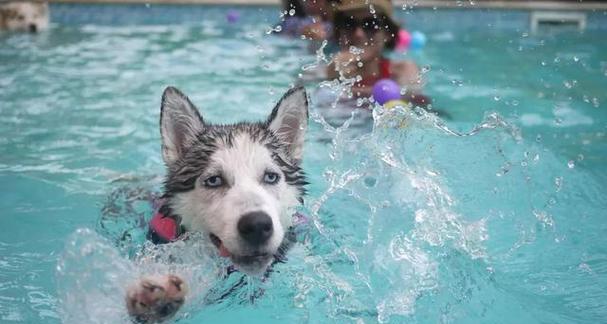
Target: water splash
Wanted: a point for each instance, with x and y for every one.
(93, 275)
(388, 179)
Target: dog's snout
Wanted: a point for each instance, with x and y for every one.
(33, 28)
(255, 227)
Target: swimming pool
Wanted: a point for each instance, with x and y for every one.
(410, 224)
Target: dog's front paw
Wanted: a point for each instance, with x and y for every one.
(154, 299)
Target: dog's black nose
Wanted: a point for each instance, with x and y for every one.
(255, 227)
(33, 28)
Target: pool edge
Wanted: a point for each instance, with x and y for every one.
(507, 5)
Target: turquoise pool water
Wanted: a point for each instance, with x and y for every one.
(408, 224)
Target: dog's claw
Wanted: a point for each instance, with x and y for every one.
(154, 299)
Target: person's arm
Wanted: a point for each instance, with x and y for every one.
(406, 74)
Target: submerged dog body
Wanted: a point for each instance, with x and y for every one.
(237, 184)
(29, 16)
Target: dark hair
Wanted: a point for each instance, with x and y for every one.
(390, 27)
(288, 5)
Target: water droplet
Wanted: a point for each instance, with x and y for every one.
(558, 182)
(497, 98)
(585, 267)
(580, 157)
(567, 84)
(543, 63)
(372, 9)
(425, 68)
(292, 12)
(571, 164)
(595, 102)
(355, 50)
(360, 64)
(576, 59)
(538, 138)
(515, 103)
(524, 163)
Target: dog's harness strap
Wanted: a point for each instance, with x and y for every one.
(162, 229)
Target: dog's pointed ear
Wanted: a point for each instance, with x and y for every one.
(180, 123)
(289, 120)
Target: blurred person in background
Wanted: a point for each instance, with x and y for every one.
(311, 19)
(364, 30)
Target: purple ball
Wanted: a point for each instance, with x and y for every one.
(386, 90)
(232, 16)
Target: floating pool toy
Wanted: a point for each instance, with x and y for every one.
(395, 103)
(386, 90)
(403, 41)
(232, 16)
(418, 40)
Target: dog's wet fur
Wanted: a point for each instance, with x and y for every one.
(237, 184)
(25, 16)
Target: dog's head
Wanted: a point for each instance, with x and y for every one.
(239, 183)
(24, 16)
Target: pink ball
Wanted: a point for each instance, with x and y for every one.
(403, 41)
(386, 90)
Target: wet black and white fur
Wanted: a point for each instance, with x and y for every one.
(237, 184)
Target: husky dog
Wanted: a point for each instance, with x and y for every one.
(29, 16)
(237, 184)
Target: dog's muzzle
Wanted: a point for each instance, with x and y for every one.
(254, 230)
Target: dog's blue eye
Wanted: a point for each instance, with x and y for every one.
(213, 182)
(271, 177)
